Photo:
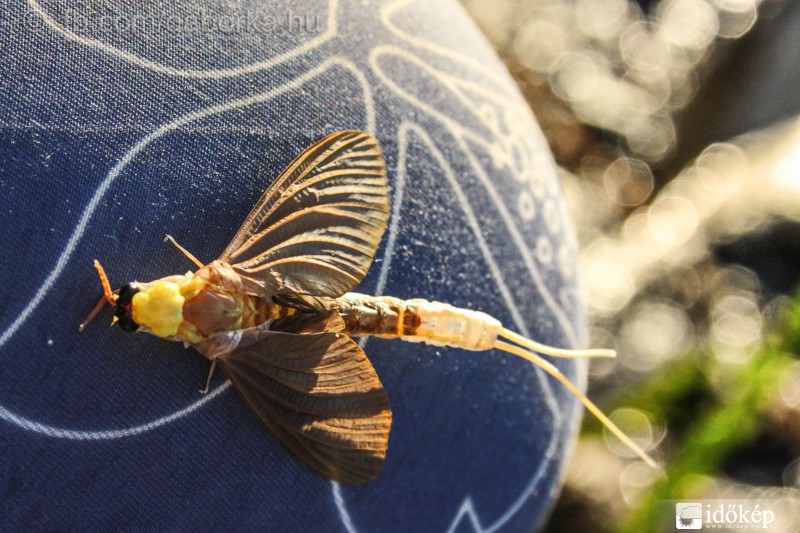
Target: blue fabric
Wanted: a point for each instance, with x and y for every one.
(115, 132)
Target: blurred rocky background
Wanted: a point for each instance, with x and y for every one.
(677, 126)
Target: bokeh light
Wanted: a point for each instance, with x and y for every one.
(680, 231)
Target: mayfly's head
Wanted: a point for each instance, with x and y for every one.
(124, 307)
(155, 307)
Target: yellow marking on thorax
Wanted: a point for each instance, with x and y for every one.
(191, 286)
(159, 305)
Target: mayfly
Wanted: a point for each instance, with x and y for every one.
(274, 312)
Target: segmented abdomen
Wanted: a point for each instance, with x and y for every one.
(418, 320)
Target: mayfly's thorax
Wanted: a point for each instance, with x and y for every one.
(196, 306)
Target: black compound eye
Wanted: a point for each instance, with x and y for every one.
(125, 322)
(123, 313)
(126, 293)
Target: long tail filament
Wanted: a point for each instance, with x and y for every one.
(553, 351)
(556, 373)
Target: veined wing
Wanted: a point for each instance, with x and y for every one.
(318, 394)
(316, 229)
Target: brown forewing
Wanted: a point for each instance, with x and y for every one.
(316, 229)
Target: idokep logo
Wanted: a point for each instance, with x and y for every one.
(688, 516)
(729, 514)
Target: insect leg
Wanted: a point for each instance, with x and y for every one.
(210, 373)
(96, 311)
(192, 258)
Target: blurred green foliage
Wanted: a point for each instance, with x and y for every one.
(707, 424)
(676, 175)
